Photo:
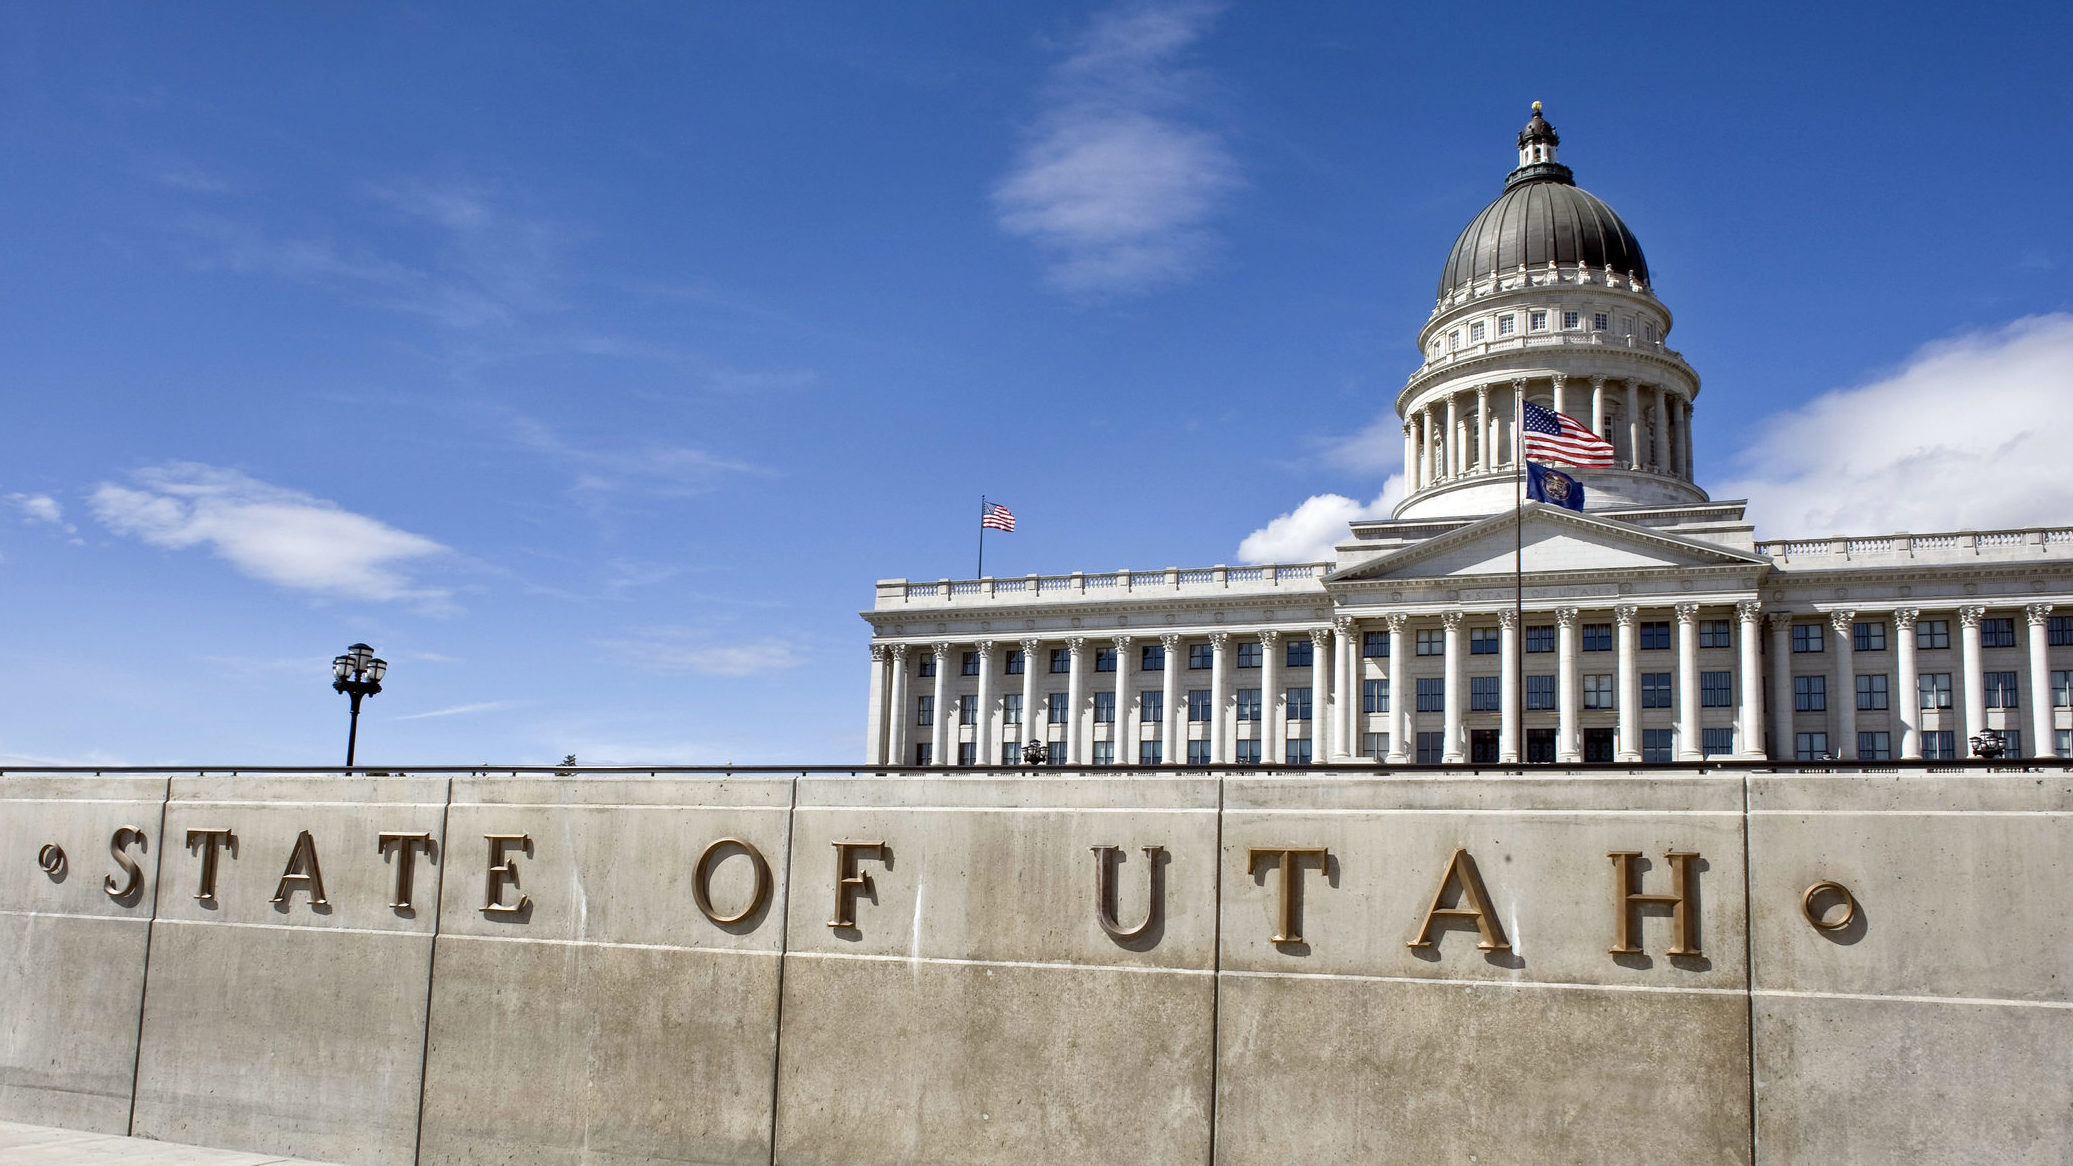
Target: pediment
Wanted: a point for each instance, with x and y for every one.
(1554, 541)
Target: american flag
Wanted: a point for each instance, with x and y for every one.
(996, 517)
(1558, 437)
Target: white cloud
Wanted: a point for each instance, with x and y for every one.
(41, 508)
(270, 533)
(459, 710)
(1308, 533)
(1113, 185)
(671, 649)
(1968, 434)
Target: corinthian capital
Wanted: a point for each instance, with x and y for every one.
(1451, 620)
(879, 653)
(1565, 617)
(2037, 613)
(941, 650)
(1624, 614)
(1749, 611)
(1269, 637)
(1687, 613)
(1170, 641)
(1970, 616)
(1219, 640)
(1842, 621)
(1904, 617)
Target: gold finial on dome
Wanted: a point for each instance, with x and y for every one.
(1536, 107)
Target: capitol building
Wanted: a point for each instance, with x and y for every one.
(1653, 626)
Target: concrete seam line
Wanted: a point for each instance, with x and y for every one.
(144, 976)
(424, 1060)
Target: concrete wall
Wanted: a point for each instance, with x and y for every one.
(560, 995)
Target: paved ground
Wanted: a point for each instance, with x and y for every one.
(22, 1145)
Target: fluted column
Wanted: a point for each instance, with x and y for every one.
(1273, 726)
(1509, 751)
(1907, 703)
(1684, 429)
(1456, 680)
(1346, 653)
(1690, 736)
(2040, 679)
(985, 741)
(1749, 709)
(939, 718)
(1561, 400)
(1123, 733)
(1845, 684)
(1321, 673)
(1598, 406)
(1431, 454)
(1075, 697)
(1412, 480)
(1220, 698)
(897, 736)
(1782, 742)
(1629, 745)
(1568, 745)
(1453, 435)
(1659, 455)
(1399, 690)
(1483, 463)
(1171, 751)
(1633, 425)
(1030, 648)
(874, 728)
(1975, 683)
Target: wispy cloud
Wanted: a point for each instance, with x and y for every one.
(1115, 185)
(271, 533)
(1969, 433)
(661, 468)
(460, 710)
(41, 510)
(681, 649)
(1308, 533)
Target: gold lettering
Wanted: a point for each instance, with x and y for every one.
(210, 841)
(503, 872)
(406, 847)
(1474, 900)
(1291, 857)
(851, 882)
(302, 868)
(1682, 901)
(702, 878)
(1105, 859)
(118, 849)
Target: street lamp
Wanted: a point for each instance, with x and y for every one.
(1989, 744)
(358, 673)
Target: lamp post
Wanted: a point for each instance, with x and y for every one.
(358, 673)
(1989, 744)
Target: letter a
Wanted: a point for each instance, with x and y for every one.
(1475, 904)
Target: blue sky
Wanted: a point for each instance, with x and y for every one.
(592, 362)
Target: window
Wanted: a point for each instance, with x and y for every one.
(1249, 654)
(1716, 742)
(1150, 753)
(1997, 633)
(1655, 690)
(1299, 652)
(2064, 744)
(1868, 636)
(1198, 705)
(1061, 660)
(1658, 746)
(1014, 665)
(1933, 633)
(1298, 751)
(1536, 321)
(1940, 745)
(1810, 694)
(1483, 694)
(1540, 745)
(1201, 656)
(1454, 339)
(1716, 633)
(1432, 694)
(2013, 739)
(1476, 330)
(1104, 659)
(1874, 746)
(1248, 752)
(2000, 688)
(1375, 745)
(967, 754)
(1011, 708)
(2059, 629)
(1104, 708)
(1540, 692)
(1104, 752)
(967, 710)
(1598, 692)
(1655, 636)
(1374, 645)
(1806, 637)
(969, 665)
(1432, 748)
(1432, 642)
(1570, 321)
(927, 665)
(1598, 746)
(1151, 707)
(1011, 752)
(2061, 689)
(1541, 639)
(1648, 332)
(1504, 325)
(1871, 691)
(1198, 753)
(1716, 690)
(923, 754)
(1054, 707)
(1482, 746)
(1249, 705)
(1152, 659)
(924, 710)
(1374, 696)
(1597, 637)
(1810, 747)
(1298, 704)
(1936, 689)
(1600, 322)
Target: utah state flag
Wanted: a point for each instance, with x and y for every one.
(1553, 487)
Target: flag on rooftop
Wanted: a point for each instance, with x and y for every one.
(996, 517)
(1558, 437)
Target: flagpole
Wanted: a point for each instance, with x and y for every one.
(982, 538)
(1519, 566)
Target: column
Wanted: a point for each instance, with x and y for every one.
(1671, 425)
(1561, 401)
(1907, 703)
(1030, 648)
(1782, 742)
(1512, 447)
(1453, 435)
(939, 735)
(1347, 684)
(1484, 464)
(1456, 680)
(1399, 690)
(902, 715)
(1124, 732)
(1273, 700)
(1690, 740)
(874, 728)
(1975, 684)
(985, 744)
(1411, 478)
(1219, 697)
(1171, 751)
(1568, 745)
(1320, 694)
(1075, 696)
(1509, 751)
(1598, 406)
(1749, 712)
(1684, 430)
(1633, 425)
(2040, 680)
(1844, 623)
(1628, 747)
(1659, 455)
(1428, 461)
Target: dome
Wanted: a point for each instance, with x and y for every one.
(1542, 216)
